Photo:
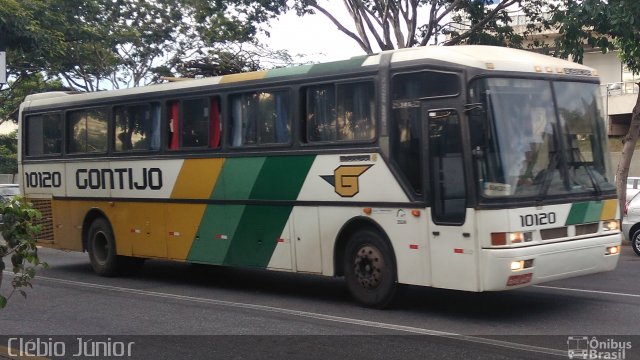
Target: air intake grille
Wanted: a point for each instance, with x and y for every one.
(555, 233)
(46, 221)
(586, 229)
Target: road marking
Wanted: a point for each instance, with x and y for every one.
(587, 291)
(318, 316)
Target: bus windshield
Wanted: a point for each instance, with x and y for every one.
(538, 138)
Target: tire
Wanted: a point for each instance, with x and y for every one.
(635, 242)
(370, 269)
(101, 246)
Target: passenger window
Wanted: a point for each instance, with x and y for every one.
(342, 112)
(260, 118)
(137, 127)
(87, 130)
(194, 123)
(44, 134)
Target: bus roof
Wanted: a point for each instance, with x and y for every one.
(490, 58)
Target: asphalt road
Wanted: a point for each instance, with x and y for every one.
(175, 310)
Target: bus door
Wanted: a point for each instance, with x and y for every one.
(453, 255)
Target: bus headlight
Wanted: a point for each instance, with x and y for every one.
(521, 264)
(612, 250)
(611, 225)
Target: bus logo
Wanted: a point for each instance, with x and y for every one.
(345, 179)
(578, 347)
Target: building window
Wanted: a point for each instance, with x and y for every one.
(44, 134)
(87, 130)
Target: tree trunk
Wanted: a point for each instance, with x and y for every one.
(629, 144)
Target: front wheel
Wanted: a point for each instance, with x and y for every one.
(635, 242)
(370, 269)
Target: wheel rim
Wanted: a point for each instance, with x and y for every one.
(100, 247)
(368, 266)
(636, 243)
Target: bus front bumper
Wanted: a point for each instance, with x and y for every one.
(547, 262)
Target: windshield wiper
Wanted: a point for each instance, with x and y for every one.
(592, 177)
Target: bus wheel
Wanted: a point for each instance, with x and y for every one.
(369, 269)
(635, 242)
(102, 249)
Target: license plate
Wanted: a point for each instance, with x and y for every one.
(519, 279)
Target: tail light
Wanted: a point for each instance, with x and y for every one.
(626, 207)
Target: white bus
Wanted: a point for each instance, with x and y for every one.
(471, 167)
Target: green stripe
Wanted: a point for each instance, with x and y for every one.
(237, 178)
(584, 212)
(353, 63)
(251, 231)
(255, 239)
(218, 221)
(235, 182)
(289, 71)
(593, 212)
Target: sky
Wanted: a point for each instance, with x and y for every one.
(314, 36)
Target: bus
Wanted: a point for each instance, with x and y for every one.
(472, 168)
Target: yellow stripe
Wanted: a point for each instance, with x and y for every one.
(255, 75)
(197, 179)
(609, 210)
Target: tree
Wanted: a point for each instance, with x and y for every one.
(8, 153)
(19, 241)
(89, 45)
(399, 24)
(608, 25)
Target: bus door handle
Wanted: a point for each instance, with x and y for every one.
(436, 233)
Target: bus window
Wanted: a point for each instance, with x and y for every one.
(44, 134)
(195, 123)
(215, 124)
(343, 112)
(87, 130)
(137, 127)
(173, 111)
(260, 118)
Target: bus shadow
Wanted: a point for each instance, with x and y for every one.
(487, 306)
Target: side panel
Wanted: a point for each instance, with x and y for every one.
(240, 211)
(306, 239)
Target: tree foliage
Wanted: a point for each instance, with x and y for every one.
(608, 25)
(8, 153)
(90, 45)
(19, 242)
(399, 24)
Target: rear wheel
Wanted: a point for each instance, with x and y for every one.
(635, 242)
(370, 269)
(101, 246)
